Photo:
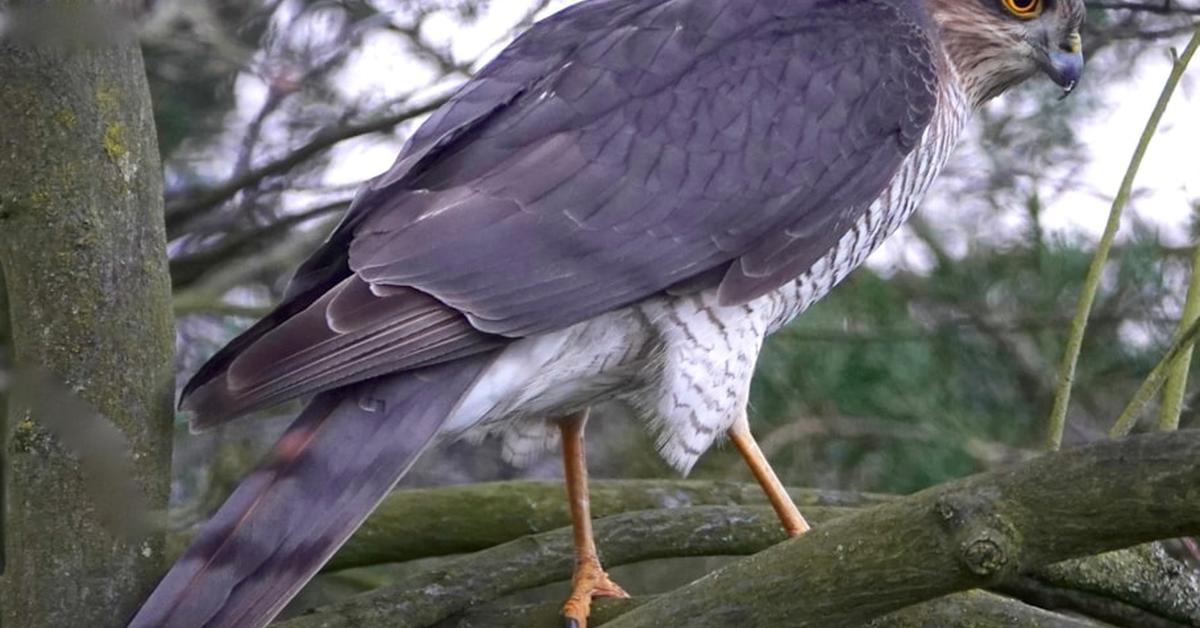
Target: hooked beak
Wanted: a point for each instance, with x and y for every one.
(1064, 66)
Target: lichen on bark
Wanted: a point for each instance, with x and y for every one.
(83, 252)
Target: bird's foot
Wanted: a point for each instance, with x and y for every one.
(590, 582)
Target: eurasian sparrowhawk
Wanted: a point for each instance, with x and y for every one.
(622, 205)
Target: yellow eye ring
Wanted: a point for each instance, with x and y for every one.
(1024, 9)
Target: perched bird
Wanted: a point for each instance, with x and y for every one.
(621, 206)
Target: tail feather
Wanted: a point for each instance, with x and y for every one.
(325, 475)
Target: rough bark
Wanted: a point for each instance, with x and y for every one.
(437, 591)
(420, 523)
(83, 253)
(977, 532)
(980, 532)
(971, 609)
(1137, 587)
(5, 375)
(1141, 586)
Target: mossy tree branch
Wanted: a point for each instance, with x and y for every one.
(83, 254)
(426, 596)
(971, 609)
(420, 523)
(857, 565)
(1141, 583)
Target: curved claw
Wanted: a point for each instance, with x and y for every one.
(590, 582)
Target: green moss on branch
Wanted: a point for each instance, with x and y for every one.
(968, 534)
(972, 609)
(429, 595)
(415, 524)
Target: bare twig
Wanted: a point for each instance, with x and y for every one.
(189, 269)
(1179, 346)
(1066, 371)
(1172, 403)
(192, 204)
(1160, 8)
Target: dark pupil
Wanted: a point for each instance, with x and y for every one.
(1023, 5)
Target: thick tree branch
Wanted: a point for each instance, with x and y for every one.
(426, 596)
(421, 523)
(971, 609)
(977, 532)
(972, 533)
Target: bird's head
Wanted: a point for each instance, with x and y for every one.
(996, 44)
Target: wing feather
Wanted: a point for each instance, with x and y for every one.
(350, 334)
(655, 154)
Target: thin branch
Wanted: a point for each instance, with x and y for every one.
(1066, 372)
(188, 269)
(194, 307)
(209, 292)
(1162, 8)
(1172, 404)
(193, 203)
(1181, 345)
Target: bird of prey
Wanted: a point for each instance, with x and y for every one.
(621, 206)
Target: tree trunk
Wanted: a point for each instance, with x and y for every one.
(83, 254)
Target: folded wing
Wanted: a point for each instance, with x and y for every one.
(613, 151)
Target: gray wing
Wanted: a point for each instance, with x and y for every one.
(690, 136)
(617, 149)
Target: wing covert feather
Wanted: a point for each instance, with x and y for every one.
(695, 134)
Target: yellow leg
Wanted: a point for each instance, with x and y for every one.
(792, 520)
(590, 581)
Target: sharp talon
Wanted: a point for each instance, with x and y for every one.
(606, 588)
(590, 583)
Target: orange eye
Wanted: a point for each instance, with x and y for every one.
(1024, 9)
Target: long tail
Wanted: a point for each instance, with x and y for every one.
(325, 475)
